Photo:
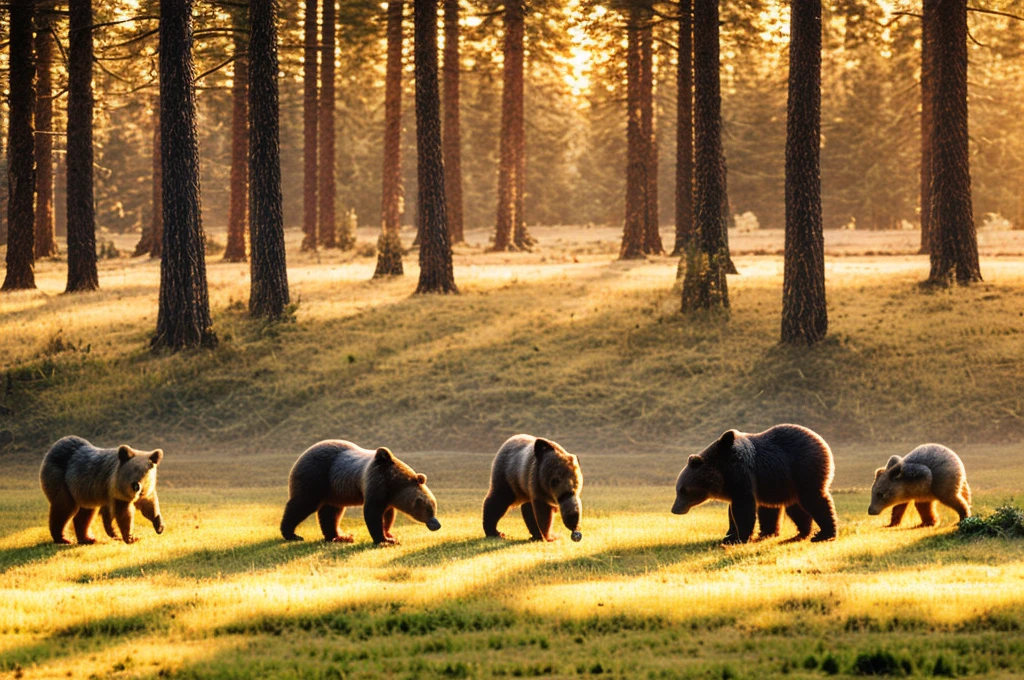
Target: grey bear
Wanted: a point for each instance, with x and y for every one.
(786, 466)
(929, 473)
(543, 478)
(335, 474)
(80, 479)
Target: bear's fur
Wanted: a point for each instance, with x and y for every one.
(786, 466)
(927, 474)
(334, 474)
(542, 477)
(79, 479)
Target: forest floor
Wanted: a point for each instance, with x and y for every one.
(563, 342)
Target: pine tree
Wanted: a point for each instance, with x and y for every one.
(927, 118)
(389, 245)
(684, 131)
(510, 231)
(45, 240)
(310, 103)
(238, 210)
(326, 217)
(451, 135)
(652, 236)
(633, 231)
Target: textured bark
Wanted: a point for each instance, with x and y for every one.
(705, 285)
(82, 274)
(652, 236)
(510, 230)
(45, 239)
(684, 131)
(183, 319)
(389, 246)
(238, 209)
(436, 273)
(326, 218)
(451, 135)
(927, 118)
(804, 314)
(21, 176)
(268, 292)
(954, 245)
(632, 247)
(309, 129)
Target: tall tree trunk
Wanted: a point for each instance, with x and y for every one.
(451, 136)
(804, 314)
(652, 235)
(309, 128)
(238, 208)
(684, 131)
(512, 158)
(327, 220)
(436, 273)
(705, 285)
(45, 240)
(927, 118)
(389, 246)
(183, 319)
(954, 245)
(268, 294)
(82, 273)
(730, 268)
(21, 175)
(521, 237)
(151, 240)
(632, 247)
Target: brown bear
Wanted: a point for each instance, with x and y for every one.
(334, 474)
(79, 479)
(929, 473)
(542, 477)
(786, 466)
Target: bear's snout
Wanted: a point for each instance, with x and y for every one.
(433, 524)
(680, 507)
(872, 510)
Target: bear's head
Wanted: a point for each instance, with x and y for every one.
(701, 479)
(898, 482)
(136, 481)
(560, 477)
(409, 492)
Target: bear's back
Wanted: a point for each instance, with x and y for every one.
(947, 468)
(332, 469)
(791, 458)
(513, 463)
(87, 471)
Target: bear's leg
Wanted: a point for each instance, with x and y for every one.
(294, 513)
(329, 517)
(124, 513)
(927, 511)
(961, 505)
(83, 526)
(897, 514)
(802, 520)
(744, 513)
(108, 521)
(61, 512)
(373, 513)
(731, 536)
(768, 522)
(389, 521)
(823, 510)
(497, 503)
(541, 513)
(531, 521)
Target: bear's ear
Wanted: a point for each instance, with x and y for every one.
(896, 471)
(695, 461)
(542, 446)
(384, 455)
(895, 460)
(879, 472)
(422, 479)
(156, 457)
(727, 439)
(124, 453)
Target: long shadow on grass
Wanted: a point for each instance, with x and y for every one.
(946, 549)
(17, 557)
(453, 550)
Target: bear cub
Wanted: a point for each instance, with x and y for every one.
(80, 479)
(786, 466)
(929, 473)
(543, 478)
(334, 474)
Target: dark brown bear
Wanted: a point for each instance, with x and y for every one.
(542, 477)
(786, 466)
(79, 480)
(334, 474)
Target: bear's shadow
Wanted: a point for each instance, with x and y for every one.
(441, 553)
(30, 554)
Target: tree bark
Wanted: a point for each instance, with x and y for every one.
(684, 131)
(152, 238)
(804, 312)
(510, 231)
(927, 118)
(633, 231)
(436, 272)
(45, 239)
(183, 319)
(954, 245)
(309, 129)
(327, 219)
(652, 235)
(21, 175)
(238, 214)
(451, 134)
(389, 246)
(268, 293)
(705, 285)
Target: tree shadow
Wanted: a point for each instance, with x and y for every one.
(441, 553)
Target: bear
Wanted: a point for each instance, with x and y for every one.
(335, 474)
(786, 466)
(543, 478)
(929, 473)
(79, 479)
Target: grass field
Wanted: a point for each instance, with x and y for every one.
(562, 343)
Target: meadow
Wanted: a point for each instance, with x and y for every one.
(561, 342)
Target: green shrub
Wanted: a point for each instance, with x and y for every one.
(1006, 522)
